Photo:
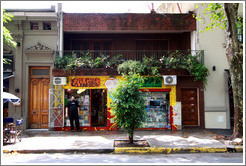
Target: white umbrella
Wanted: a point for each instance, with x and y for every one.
(11, 98)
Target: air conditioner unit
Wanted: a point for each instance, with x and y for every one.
(170, 79)
(59, 80)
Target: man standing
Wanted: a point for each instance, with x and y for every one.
(72, 110)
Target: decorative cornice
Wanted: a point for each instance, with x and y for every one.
(38, 47)
(39, 50)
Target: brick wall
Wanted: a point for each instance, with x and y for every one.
(128, 22)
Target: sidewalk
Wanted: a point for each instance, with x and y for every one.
(160, 141)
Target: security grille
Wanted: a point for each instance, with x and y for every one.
(56, 107)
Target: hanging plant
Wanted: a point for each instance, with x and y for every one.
(188, 62)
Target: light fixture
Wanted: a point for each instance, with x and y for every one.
(214, 68)
(80, 91)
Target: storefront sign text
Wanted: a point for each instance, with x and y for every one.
(152, 82)
(85, 82)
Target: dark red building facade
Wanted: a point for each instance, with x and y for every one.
(134, 36)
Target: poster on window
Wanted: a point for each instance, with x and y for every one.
(177, 114)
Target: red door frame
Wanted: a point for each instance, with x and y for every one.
(87, 128)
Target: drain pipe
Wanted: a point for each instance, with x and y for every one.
(60, 29)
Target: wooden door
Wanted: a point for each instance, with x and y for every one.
(189, 106)
(39, 98)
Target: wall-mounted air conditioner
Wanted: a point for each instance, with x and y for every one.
(170, 79)
(59, 80)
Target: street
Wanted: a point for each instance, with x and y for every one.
(113, 158)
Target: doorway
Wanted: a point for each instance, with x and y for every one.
(39, 97)
(98, 107)
(189, 106)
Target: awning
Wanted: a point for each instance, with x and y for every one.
(8, 97)
(7, 75)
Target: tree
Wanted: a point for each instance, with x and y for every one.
(7, 38)
(225, 16)
(128, 104)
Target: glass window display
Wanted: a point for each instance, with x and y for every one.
(157, 109)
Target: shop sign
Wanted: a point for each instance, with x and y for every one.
(152, 82)
(85, 82)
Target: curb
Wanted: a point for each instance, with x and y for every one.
(109, 150)
(133, 150)
(237, 149)
(161, 150)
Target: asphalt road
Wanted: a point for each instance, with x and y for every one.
(120, 158)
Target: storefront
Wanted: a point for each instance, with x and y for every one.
(94, 97)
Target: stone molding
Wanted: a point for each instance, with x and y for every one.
(39, 49)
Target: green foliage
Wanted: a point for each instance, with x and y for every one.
(152, 66)
(7, 38)
(217, 17)
(148, 66)
(216, 14)
(85, 60)
(66, 62)
(7, 61)
(196, 69)
(189, 62)
(239, 25)
(114, 62)
(128, 106)
(132, 67)
(100, 61)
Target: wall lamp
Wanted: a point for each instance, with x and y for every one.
(214, 68)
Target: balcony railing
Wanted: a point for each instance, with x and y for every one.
(137, 55)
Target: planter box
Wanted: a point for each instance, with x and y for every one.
(110, 71)
(178, 72)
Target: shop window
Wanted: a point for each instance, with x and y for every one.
(34, 26)
(46, 26)
(157, 110)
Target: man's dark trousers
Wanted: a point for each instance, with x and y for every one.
(76, 119)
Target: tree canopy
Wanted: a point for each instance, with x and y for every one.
(7, 38)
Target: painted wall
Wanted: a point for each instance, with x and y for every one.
(99, 82)
(217, 112)
(212, 42)
(20, 28)
(216, 94)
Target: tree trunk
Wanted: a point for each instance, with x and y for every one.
(131, 137)
(235, 60)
